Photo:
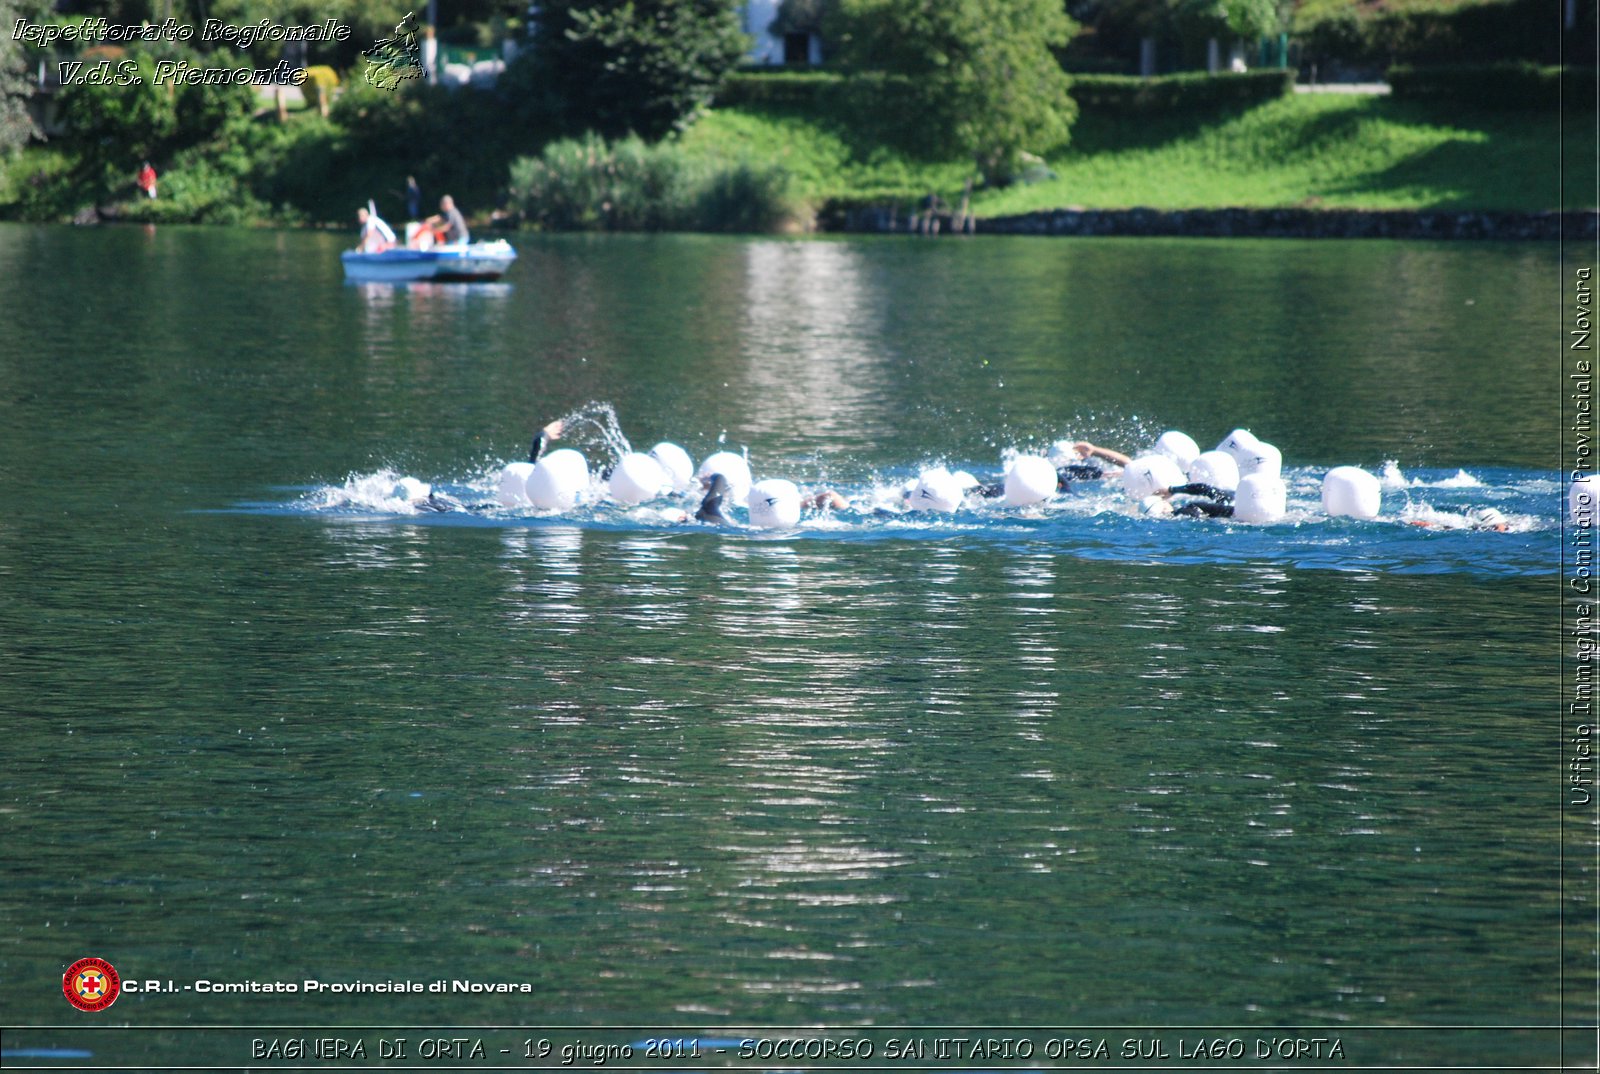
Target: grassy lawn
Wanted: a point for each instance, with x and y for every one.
(826, 162)
(1310, 150)
(1315, 150)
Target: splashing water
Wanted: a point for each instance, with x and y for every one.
(607, 428)
(1424, 524)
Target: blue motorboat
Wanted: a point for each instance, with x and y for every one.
(469, 262)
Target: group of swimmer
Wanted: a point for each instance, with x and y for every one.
(1239, 479)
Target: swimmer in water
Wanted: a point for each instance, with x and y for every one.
(718, 487)
(711, 507)
(1218, 503)
(1487, 518)
(443, 502)
(1482, 518)
(1085, 469)
(825, 500)
(542, 438)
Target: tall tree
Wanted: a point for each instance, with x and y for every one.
(982, 71)
(645, 66)
(1247, 19)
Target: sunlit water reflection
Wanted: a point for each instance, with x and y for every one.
(1059, 766)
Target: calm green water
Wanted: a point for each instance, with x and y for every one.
(998, 773)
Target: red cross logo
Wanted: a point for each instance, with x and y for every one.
(91, 984)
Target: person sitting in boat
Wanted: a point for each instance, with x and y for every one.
(376, 236)
(448, 225)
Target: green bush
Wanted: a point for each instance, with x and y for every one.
(1495, 85)
(1478, 32)
(197, 190)
(456, 142)
(114, 127)
(1186, 94)
(867, 108)
(588, 184)
(746, 197)
(808, 91)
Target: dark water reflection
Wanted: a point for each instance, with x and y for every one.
(693, 776)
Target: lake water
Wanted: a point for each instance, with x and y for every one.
(1049, 767)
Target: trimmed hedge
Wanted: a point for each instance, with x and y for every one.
(1487, 32)
(859, 98)
(1495, 85)
(780, 89)
(872, 107)
(1126, 95)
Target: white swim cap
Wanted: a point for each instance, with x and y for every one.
(1487, 518)
(1030, 479)
(637, 478)
(1179, 447)
(513, 488)
(1149, 474)
(1262, 459)
(1351, 492)
(557, 480)
(936, 490)
(1239, 443)
(676, 462)
(1261, 499)
(774, 503)
(1215, 468)
(1156, 507)
(731, 466)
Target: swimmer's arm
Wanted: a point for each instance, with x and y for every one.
(1087, 450)
(1199, 488)
(542, 437)
(826, 500)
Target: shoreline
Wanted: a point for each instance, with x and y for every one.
(1291, 223)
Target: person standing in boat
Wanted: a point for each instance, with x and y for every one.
(448, 225)
(376, 236)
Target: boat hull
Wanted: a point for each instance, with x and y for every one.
(475, 263)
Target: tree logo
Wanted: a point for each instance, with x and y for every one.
(91, 984)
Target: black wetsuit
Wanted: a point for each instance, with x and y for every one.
(443, 502)
(1219, 504)
(711, 506)
(1065, 475)
(1080, 471)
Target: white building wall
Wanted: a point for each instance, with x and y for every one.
(758, 15)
